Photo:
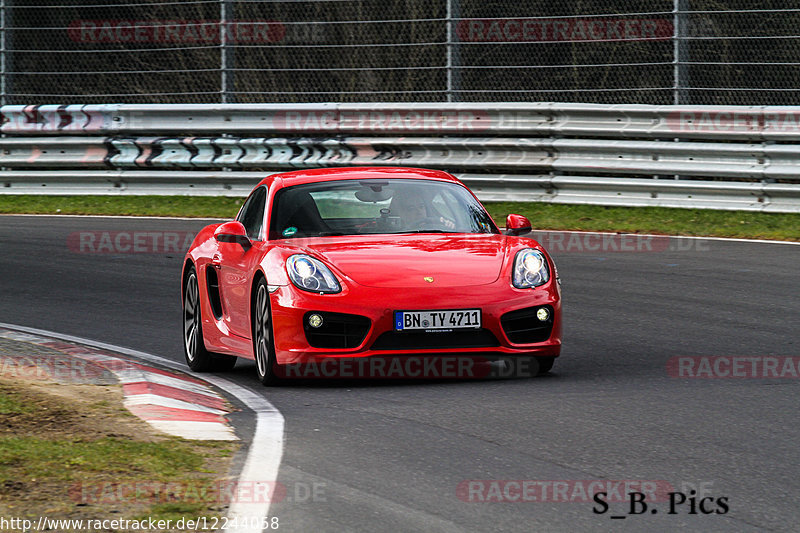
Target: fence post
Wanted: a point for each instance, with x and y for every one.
(227, 88)
(453, 59)
(680, 52)
(3, 74)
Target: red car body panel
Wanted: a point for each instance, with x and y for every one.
(379, 274)
(372, 260)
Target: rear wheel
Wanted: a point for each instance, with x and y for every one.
(263, 344)
(194, 349)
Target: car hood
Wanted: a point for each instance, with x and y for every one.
(408, 261)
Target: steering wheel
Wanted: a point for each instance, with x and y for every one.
(429, 223)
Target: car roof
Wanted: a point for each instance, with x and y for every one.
(299, 177)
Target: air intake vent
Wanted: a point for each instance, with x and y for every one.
(212, 283)
(338, 330)
(524, 327)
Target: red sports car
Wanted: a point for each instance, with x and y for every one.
(360, 264)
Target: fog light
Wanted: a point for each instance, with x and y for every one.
(315, 320)
(543, 314)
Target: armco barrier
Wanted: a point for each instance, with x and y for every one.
(705, 157)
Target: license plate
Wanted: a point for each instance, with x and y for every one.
(437, 320)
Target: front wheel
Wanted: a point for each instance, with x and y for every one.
(263, 344)
(194, 349)
(545, 364)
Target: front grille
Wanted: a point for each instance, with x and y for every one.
(422, 340)
(522, 326)
(338, 330)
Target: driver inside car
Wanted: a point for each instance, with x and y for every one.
(410, 207)
(414, 212)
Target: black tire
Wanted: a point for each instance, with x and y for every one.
(194, 349)
(263, 343)
(545, 364)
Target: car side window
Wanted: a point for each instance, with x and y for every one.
(252, 214)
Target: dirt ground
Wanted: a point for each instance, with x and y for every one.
(83, 415)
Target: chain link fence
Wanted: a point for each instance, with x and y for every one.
(206, 51)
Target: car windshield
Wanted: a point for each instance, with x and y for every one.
(364, 207)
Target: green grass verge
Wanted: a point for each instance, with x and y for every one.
(164, 206)
(105, 463)
(657, 220)
(62, 460)
(9, 405)
(103, 472)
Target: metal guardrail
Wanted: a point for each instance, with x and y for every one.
(725, 157)
(753, 123)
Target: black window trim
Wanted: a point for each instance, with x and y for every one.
(246, 204)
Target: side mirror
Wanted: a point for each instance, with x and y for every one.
(233, 232)
(517, 225)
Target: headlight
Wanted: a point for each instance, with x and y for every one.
(530, 269)
(311, 275)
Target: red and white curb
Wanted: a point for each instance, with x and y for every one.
(260, 471)
(171, 402)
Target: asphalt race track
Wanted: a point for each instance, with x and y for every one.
(392, 456)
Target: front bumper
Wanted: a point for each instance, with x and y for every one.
(291, 306)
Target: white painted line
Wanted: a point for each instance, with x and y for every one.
(261, 462)
(146, 217)
(195, 430)
(693, 237)
(732, 239)
(266, 449)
